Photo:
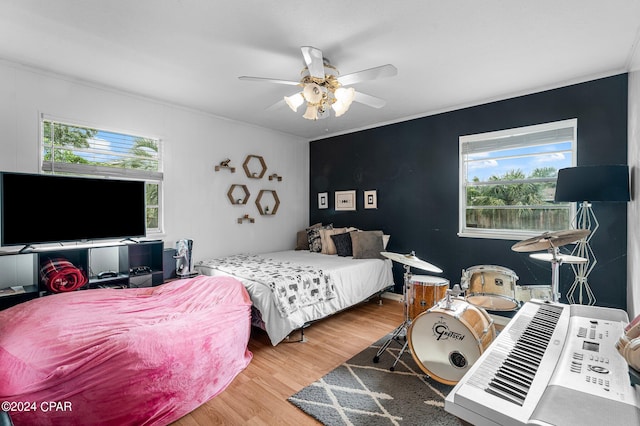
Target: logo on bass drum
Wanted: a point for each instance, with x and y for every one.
(441, 330)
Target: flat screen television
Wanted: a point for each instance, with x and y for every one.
(38, 208)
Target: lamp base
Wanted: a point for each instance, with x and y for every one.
(585, 219)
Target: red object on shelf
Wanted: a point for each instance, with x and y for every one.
(60, 275)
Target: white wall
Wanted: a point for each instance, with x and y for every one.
(633, 239)
(195, 201)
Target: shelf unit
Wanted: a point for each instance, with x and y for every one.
(21, 270)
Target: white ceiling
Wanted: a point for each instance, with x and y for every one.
(449, 54)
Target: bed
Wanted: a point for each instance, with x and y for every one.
(352, 281)
(144, 356)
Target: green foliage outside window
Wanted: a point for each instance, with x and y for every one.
(69, 144)
(516, 201)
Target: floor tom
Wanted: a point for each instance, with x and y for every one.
(424, 292)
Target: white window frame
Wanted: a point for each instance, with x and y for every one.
(515, 137)
(151, 177)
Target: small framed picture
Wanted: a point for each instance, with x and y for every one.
(323, 200)
(370, 199)
(346, 200)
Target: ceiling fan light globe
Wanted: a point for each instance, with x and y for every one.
(311, 113)
(312, 93)
(339, 107)
(294, 101)
(345, 95)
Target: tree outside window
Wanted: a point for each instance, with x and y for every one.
(80, 150)
(508, 181)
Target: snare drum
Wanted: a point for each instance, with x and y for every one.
(491, 287)
(425, 292)
(446, 341)
(524, 293)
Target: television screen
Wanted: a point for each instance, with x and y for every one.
(39, 208)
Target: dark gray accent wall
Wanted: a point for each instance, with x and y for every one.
(413, 165)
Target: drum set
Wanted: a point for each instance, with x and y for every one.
(447, 332)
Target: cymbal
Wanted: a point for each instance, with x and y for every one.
(550, 240)
(411, 260)
(562, 258)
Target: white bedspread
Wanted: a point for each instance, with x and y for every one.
(354, 281)
(292, 285)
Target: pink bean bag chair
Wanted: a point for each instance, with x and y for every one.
(143, 356)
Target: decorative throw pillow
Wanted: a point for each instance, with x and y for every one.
(367, 244)
(343, 244)
(313, 235)
(328, 247)
(385, 240)
(302, 240)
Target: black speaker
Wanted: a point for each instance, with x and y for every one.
(139, 281)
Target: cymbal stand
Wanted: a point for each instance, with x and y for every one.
(555, 273)
(401, 330)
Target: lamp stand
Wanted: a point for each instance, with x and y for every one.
(584, 219)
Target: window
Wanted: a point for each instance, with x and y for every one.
(79, 150)
(508, 180)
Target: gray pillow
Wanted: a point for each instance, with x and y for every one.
(367, 244)
(302, 240)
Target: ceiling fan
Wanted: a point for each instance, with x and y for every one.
(323, 89)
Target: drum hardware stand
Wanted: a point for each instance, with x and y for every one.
(453, 292)
(551, 241)
(402, 329)
(407, 260)
(557, 259)
(555, 274)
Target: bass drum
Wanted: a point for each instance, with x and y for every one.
(446, 341)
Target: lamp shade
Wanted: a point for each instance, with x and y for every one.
(294, 101)
(312, 93)
(311, 113)
(593, 183)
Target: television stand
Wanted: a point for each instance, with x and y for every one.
(21, 269)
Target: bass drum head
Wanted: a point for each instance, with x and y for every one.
(446, 343)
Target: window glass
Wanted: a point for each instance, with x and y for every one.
(508, 180)
(80, 150)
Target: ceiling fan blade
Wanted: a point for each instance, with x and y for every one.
(369, 74)
(313, 59)
(270, 80)
(369, 100)
(281, 103)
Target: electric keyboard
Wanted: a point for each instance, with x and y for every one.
(553, 364)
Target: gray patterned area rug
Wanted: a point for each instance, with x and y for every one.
(361, 392)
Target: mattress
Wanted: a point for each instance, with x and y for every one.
(354, 281)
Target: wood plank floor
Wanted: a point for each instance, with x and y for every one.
(258, 395)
